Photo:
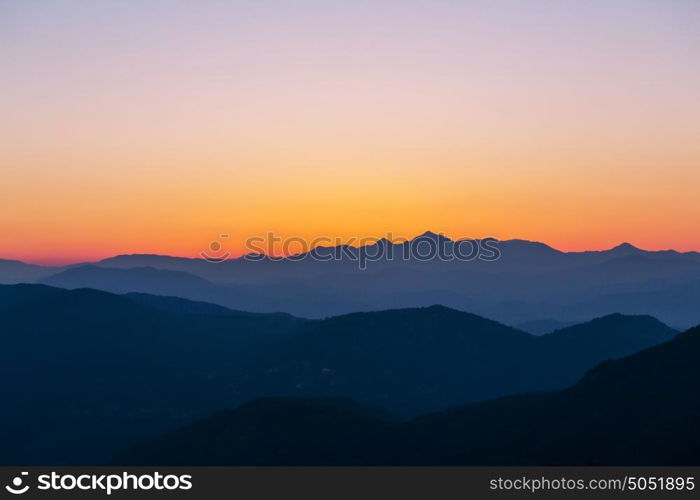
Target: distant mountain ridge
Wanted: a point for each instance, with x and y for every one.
(15, 271)
(530, 282)
(523, 247)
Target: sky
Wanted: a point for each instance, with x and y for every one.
(155, 126)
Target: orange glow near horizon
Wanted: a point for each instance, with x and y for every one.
(150, 128)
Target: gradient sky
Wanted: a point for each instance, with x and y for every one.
(154, 126)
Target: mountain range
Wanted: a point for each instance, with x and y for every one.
(531, 283)
(84, 371)
(536, 357)
(640, 410)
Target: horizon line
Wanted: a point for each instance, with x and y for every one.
(58, 262)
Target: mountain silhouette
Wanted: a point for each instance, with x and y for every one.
(299, 299)
(76, 363)
(14, 271)
(157, 281)
(129, 365)
(530, 281)
(416, 360)
(640, 410)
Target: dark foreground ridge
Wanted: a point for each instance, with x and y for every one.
(105, 370)
(640, 410)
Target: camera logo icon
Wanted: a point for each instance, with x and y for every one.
(16, 487)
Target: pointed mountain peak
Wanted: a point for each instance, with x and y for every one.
(433, 236)
(625, 247)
